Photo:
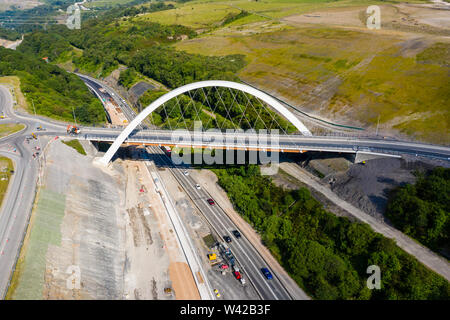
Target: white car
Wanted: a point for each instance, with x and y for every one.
(197, 186)
(186, 173)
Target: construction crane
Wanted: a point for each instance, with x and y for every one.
(71, 129)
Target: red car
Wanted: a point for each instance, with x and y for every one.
(237, 274)
(211, 202)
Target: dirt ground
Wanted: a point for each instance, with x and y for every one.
(366, 186)
(5, 43)
(106, 227)
(156, 260)
(116, 114)
(88, 237)
(403, 17)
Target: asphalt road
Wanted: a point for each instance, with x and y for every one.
(284, 143)
(17, 204)
(248, 258)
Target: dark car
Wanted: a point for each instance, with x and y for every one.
(267, 273)
(227, 239)
(237, 234)
(211, 202)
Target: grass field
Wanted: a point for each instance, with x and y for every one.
(414, 99)
(197, 16)
(290, 61)
(407, 92)
(6, 166)
(105, 3)
(76, 145)
(14, 82)
(209, 13)
(28, 279)
(9, 128)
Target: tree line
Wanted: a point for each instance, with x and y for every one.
(422, 210)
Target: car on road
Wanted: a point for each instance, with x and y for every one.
(185, 172)
(237, 234)
(211, 202)
(237, 275)
(227, 239)
(197, 186)
(267, 273)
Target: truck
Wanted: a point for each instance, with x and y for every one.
(167, 150)
(71, 129)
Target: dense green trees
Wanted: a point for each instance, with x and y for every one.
(45, 44)
(176, 68)
(422, 210)
(132, 9)
(325, 254)
(53, 91)
(9, 34)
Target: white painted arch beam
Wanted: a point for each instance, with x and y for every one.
(197, 85)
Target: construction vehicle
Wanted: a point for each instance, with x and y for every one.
(40, 128)
(212, 256)
(33, 135)
(71, 129)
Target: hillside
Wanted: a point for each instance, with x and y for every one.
(322, 58)
(54, 92)
(317, 55)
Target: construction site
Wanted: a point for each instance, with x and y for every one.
(99, 233)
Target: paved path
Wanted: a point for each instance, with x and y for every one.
(421, 253)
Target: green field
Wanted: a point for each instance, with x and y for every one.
(9, 128)
(105, 3)
(407, 93)
(6, 166)
(207, 13)
(75, 144)
(196, 16)
(414, 99)
(28, 281)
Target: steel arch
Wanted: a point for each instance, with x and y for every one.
(197, 85)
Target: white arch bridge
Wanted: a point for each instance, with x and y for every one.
(302, 141)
